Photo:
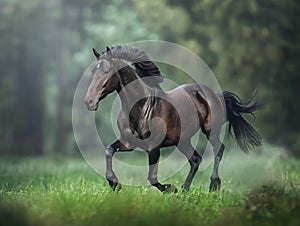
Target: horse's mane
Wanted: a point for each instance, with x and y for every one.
(139, 59)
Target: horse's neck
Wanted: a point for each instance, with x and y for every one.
(132, 90)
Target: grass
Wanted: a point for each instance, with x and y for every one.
(260, 190)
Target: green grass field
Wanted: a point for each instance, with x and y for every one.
(257, 189)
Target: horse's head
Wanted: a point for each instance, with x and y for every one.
(104, 80)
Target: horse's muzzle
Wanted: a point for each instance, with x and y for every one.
(92, 104)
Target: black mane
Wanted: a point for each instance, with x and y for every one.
(139, 59)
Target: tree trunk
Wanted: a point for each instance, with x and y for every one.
(27, 118)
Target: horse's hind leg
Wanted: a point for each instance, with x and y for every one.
(109, 152)
(153, 168)
(194, 159)
(218, 149)
(215, 183)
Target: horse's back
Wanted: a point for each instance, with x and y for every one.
(208, 104)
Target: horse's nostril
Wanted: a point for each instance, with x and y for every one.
(90, 101)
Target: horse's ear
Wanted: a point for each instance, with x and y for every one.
(108, 51)
(97, 55)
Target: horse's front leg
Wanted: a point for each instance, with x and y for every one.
(153, 168)
(109, 152)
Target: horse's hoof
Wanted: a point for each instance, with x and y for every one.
(118, 187)
(170, 188)
(115, 186)
(184, 189)
(215, 184)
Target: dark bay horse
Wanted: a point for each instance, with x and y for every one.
(152, 118)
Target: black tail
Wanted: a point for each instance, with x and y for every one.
(246, 136)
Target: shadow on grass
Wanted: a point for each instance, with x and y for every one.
(267, 205)
(12, 214)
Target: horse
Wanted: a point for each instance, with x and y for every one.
(169, 118)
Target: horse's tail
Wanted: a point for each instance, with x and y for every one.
(246, 136)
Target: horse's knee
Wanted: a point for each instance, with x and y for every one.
(109, 151)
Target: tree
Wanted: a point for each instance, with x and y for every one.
(24, 65)
(254, 43)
